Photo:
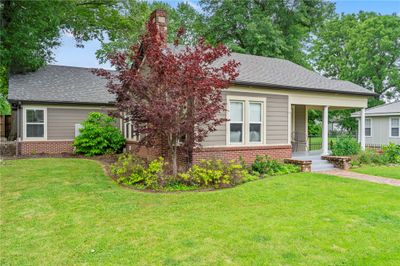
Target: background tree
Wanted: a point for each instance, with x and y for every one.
(175, 102)
(126, 28)
(274, 28)
(30, 30)
(363, 48)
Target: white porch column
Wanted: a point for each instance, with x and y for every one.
(362, 129)
(325, 131)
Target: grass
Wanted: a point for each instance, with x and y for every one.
(67, 212)
(385, 171)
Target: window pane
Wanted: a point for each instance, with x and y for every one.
(236, 133)
(36, 116)
(367, 122)
(255, 112)
(236, 111)
(126, 130)
(395, 132)
(395, 122)
(255, 132)
(368, 132)
(132, 132)
(35, 131)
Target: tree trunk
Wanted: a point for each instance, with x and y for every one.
(174, 161)
(190, 137)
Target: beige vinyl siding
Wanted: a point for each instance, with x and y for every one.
(276, 119)
(61, 121)
(218, 137)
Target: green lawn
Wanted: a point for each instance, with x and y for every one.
(385, 171)
(66, 211)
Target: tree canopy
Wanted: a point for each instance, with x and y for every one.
(264, 27)
(363, 48)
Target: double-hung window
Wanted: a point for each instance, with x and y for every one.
(368, 127)
(129, 132)
(395, 127)
(35, 123)
(236, 125)
(255, 122)
(245, 121)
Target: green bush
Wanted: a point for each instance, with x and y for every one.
(99, 136)
(345, 146)
(264, 165)
(215, 173)
(132, 170)
(392, 153)
(368, 157)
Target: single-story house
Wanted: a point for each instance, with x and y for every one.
(382, 124)
(266, 107)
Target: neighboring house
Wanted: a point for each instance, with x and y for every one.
(382, 124)
(267, 107)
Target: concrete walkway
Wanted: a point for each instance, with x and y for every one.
(370, 178)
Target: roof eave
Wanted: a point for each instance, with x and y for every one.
(356, 115)
(270, 85)
(60, 102)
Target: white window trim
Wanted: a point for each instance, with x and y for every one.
(390, 127)
(44, 109)
(228, 129)
(370, 119)
(252, 122)
(128, 134)
(246, 123)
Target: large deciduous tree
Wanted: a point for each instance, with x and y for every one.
(274, 28)
(363, 48)
(171, 97)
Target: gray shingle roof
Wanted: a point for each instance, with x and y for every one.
(64, 84)
(381, 110)
(54, 83)
(281, 73)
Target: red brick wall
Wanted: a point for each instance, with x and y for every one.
(150, 154)
(247, 153)
(49, 146)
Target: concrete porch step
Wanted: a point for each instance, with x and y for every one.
(321, 167)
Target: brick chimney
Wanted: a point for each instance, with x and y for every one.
(159, 16)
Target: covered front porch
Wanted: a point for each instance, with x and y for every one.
(299, 135)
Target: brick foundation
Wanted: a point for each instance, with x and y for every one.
(148, 153)
(49, 147)
(224, 153)
(247, 153)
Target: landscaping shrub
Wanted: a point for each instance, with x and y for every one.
(264, 165)
(345, 146)
(368, 157)
(392, 153)
(99, 136)
(215, 173)
(132, 170)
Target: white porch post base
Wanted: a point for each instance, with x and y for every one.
(325, 131)
(362, 129)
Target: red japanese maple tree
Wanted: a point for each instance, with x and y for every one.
(171, 94)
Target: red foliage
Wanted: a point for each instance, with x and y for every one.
(171, 93)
